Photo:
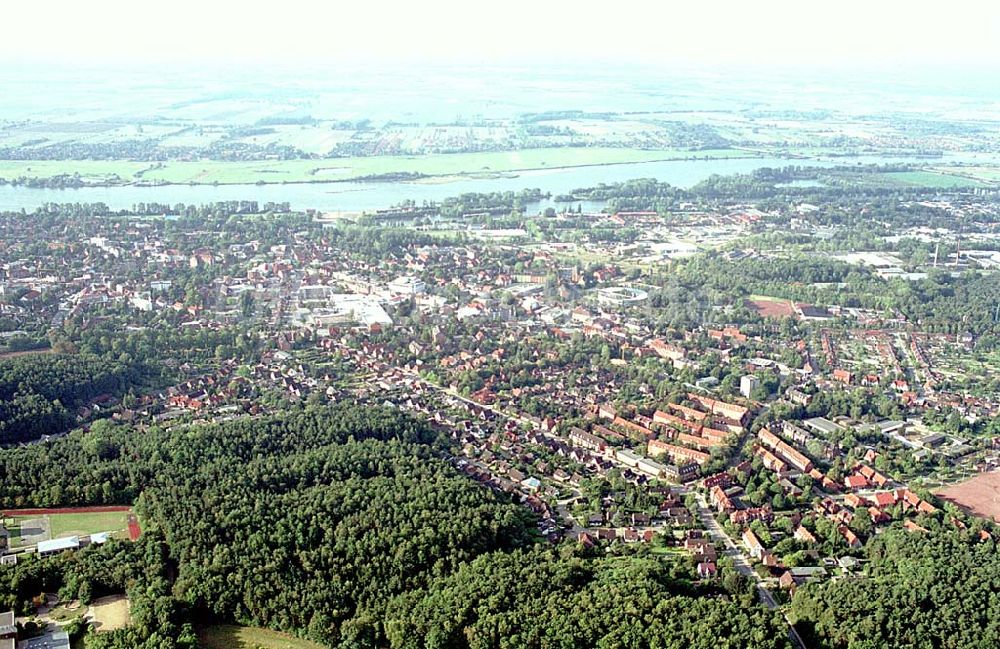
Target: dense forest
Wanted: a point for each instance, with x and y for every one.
(919, 590)
(307, 522)
(538, 599)
(318, 522)
(40, 393)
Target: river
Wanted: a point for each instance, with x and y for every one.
(369, 196)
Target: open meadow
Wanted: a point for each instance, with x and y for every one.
(944, 178)
(981, 174)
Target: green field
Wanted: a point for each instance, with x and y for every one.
(932, 179)
(981, 174)
(279, 171)
(93, 171)
(667, 551)
(244, 637)
(87, 523)
(61, 525)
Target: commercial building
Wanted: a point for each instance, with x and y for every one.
(407, 285)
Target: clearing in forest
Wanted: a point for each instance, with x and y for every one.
(225, 636)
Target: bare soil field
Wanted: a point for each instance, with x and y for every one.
(979, 495)
(771, 307)
(110, 613)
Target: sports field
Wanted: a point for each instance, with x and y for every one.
(29, 528)
(225, 636)
(86, 523)
(290, 171)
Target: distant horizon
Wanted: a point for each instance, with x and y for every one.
(851, 35)
(554, 65)
(446, 91)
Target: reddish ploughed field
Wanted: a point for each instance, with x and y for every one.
(772, 308)
(979, 495)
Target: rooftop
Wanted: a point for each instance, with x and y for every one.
(56, 545)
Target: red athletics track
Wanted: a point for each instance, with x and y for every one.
(133, 522)
(133, 527)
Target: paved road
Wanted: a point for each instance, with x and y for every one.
(741, 562)
(731, 549)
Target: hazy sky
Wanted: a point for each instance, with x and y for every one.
(808, 32)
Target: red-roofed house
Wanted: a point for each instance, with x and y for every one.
(849, 536)
(854, 500)
(878, 516)
(707, 570)
(885, 498)
(843, 376)
(856, 482)
(804, 535)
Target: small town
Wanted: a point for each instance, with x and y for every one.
(437, 326)
(757, 434)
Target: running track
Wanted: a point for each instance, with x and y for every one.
(133, 527)
(66, 510)
(133, 522)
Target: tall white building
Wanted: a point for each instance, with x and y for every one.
(748, 384)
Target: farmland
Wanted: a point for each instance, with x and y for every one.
(980, 495)
(771, 307)
(981, 174)
(944, 179)
(299, 171)
(91, 171)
